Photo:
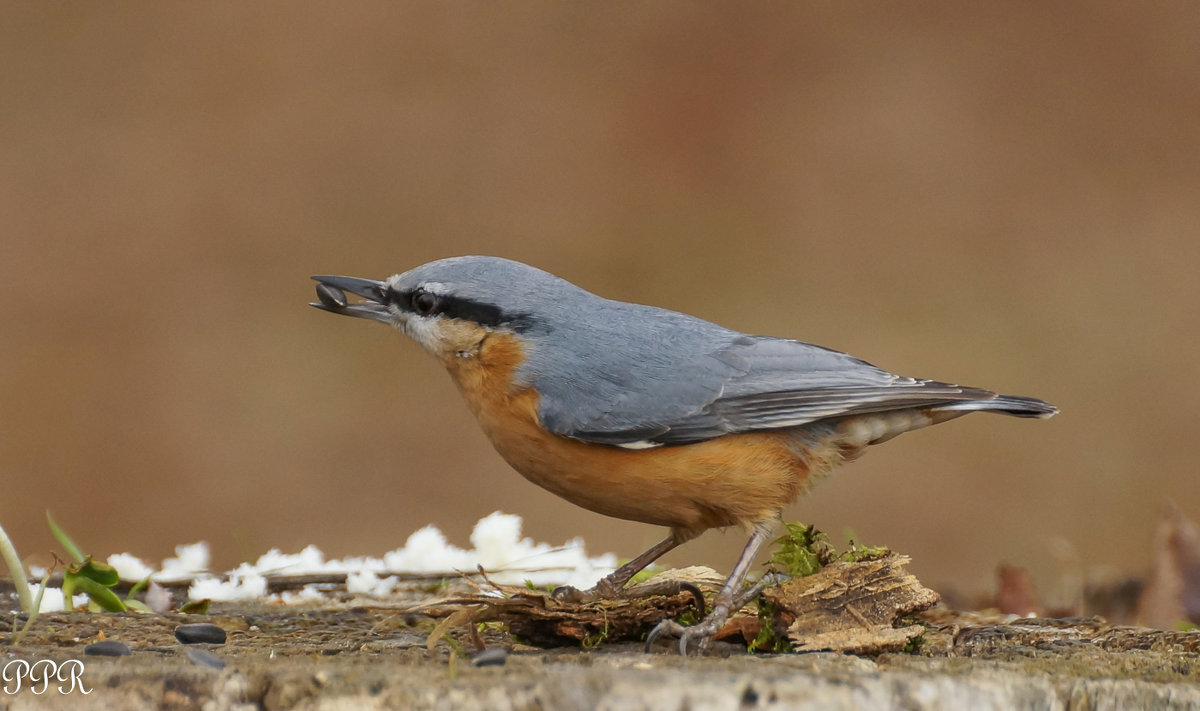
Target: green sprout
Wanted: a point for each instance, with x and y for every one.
(30, 604)
(768, 640)
(16, 569)
(914, 644)
(84, 575)
(858, 554)
(93, 578)
(548, 587)
(37, 608)
(802, 551)
(595, 639)
(688, 617)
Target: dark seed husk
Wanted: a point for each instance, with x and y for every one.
(108, 648)
(331, 296)
(200, 633)
(492, 656)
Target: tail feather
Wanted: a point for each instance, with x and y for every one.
(1014, 405)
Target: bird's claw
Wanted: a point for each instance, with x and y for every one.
(570, 593)
(707, 629)
(702, 633)
(567, 593)
(602, 590)
(751, 593)
(669, 588)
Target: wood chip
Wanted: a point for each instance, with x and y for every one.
(537, 618)
(851, 607)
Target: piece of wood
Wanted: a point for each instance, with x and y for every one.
(538, 618)
(850, 607)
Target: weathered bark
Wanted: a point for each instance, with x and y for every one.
(850, 607)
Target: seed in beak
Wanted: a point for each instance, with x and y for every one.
(331, 296)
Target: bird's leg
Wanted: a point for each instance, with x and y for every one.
(613, 584)
(769, 580)
(723, 605)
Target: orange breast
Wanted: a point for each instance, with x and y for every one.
(736, 479)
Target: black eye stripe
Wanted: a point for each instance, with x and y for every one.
(403, 299)
(407, 300)
(451, 306)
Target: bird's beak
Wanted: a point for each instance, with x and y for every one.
(331, 295)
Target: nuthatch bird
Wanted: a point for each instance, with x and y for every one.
(647, 414)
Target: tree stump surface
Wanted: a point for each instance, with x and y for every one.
(376, 657)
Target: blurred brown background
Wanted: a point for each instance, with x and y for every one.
(1003, 195)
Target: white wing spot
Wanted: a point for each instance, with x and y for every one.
(640, 444)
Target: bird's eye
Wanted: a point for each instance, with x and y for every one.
(424, 303)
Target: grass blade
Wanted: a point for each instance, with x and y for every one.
(64, 539)
(37, 608)
(17, 570)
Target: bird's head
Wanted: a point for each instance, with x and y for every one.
(451, 305)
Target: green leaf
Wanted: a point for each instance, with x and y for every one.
(195, 607)
(102, 573)
(103, 597)
(141, 585)
(64, 539)
(68, 591)
(138, 606)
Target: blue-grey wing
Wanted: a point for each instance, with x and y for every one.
(730, 383)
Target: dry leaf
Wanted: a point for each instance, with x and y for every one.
(1017, 594)
(1172, 593)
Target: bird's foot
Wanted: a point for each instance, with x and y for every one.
(703, 632)
(602, 590)
(605, 590)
